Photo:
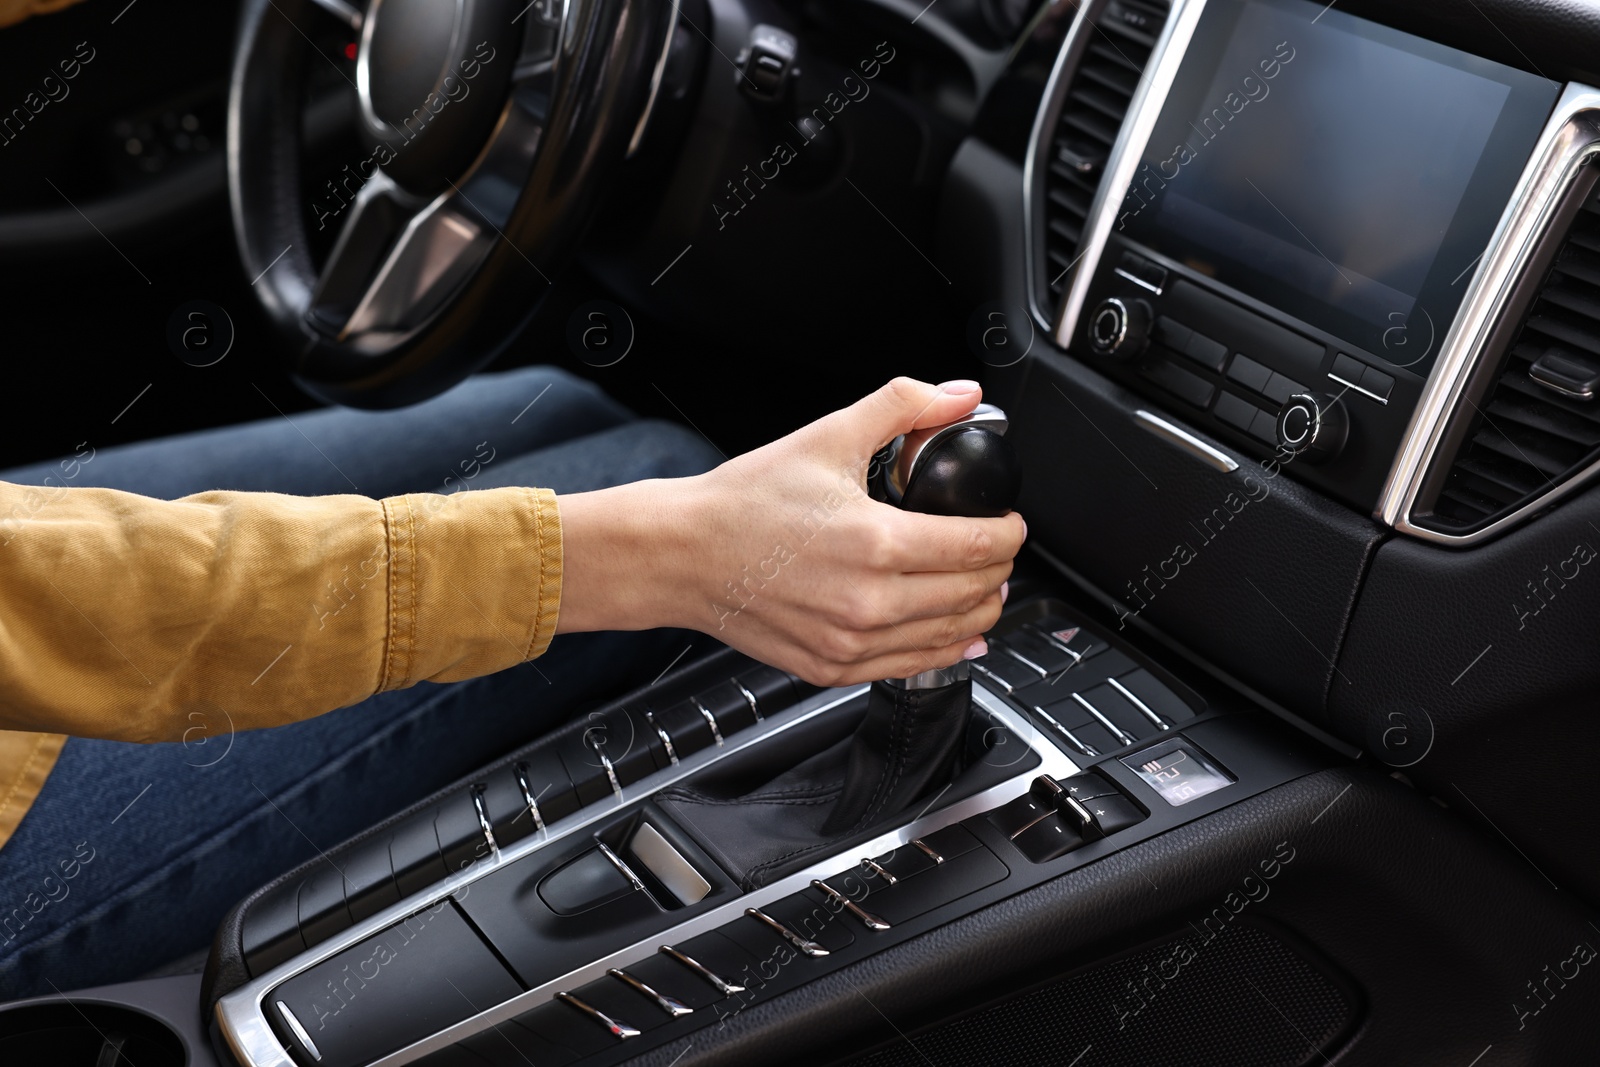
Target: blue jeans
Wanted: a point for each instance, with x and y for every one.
(161, 840)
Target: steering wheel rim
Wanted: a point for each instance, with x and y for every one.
(422, 288)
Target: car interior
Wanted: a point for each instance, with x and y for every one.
(1287, 316)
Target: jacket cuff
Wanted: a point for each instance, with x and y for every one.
(474, 583)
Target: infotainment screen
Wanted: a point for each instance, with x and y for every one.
(1343, 172)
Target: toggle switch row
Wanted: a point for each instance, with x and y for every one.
(1054, 817)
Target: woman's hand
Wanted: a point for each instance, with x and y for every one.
(781, 553)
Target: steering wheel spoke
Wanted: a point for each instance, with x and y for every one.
(399, 281)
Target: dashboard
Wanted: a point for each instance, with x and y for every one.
(1324, 220)
(1309, 302)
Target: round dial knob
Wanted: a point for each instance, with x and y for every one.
(1312, 426)
(1119, 327)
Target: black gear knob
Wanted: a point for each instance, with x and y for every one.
(912, 739)
(967, 467)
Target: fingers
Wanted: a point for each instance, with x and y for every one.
(900, 664)
(903, 405)
(937, 596)
(944, 543)
(917, 642)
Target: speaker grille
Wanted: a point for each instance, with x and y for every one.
(1243, 999)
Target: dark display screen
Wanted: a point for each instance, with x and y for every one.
(1178, 772)
(1343, 172)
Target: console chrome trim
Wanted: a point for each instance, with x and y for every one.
(1136, 702)
(1353, 387)
(299, 1031)
(671, 1005)
(1571, 138)
(1188, 442)
(240, 1015)
(719, 983)
(1136, 280)
(711, 720)
(1123, 163)
(618, 1029)
(622, 867)
(803, 945)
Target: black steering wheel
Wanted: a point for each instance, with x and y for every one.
(491, 127)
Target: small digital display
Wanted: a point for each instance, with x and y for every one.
(1178, 772)
(1341, 171)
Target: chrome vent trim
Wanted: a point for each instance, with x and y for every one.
(1523, 438)
(1151, 94)
(1086, 102)
(1569, 142)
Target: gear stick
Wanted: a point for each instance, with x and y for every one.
(915, 729)
(765, 811)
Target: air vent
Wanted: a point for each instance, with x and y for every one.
(1536, 429)
(1114, 56)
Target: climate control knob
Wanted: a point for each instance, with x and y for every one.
(1119, 327)
(1312, 426)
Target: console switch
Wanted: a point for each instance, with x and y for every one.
(1109, 814)
(1048, 839)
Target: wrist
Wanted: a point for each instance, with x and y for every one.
(627, 556)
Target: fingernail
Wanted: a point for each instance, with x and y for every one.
(960, 387)
(1005, 591)
(980, 647)
(1024, 528)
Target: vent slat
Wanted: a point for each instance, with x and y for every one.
(1115, 77)
(1130, 59)
(1575, 297)
(1066, 231)
(1092, 124)
(1569, 329)
(1072, 199)
(1526, 439)
(1111, 105)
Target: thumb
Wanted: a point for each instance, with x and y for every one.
(906, 404)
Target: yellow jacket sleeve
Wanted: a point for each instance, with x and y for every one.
(136, 619)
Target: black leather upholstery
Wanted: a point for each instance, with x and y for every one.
(767, 811)
(905, 749)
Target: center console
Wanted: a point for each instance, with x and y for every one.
(1300, 229)
(570, 911)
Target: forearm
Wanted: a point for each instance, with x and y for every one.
(138, 619)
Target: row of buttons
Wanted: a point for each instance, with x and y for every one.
(1053, 818)
(1116, 704)
(1191, 343)
(618, 747)
(1369, 381)
(738, 958)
